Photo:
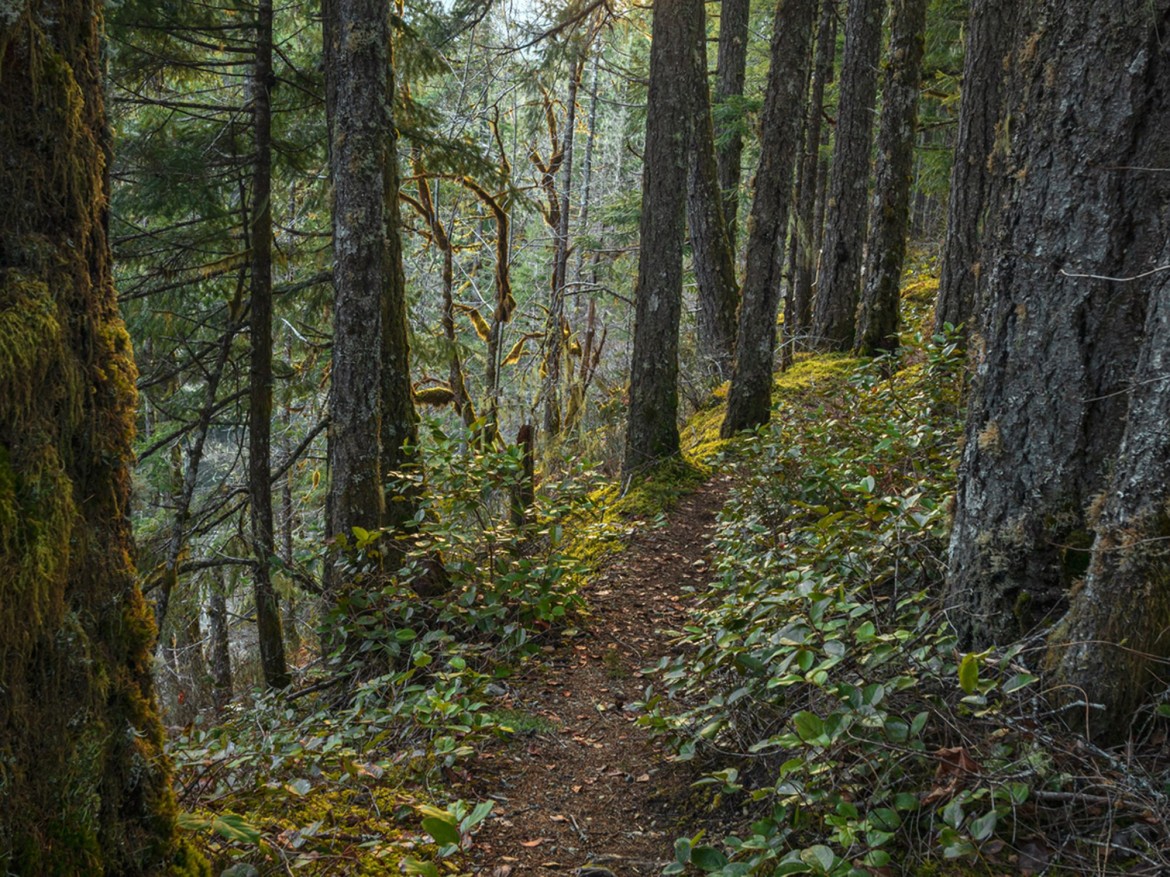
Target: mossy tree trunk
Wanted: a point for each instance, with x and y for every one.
(1060, 440)
(878, 315)
(839, 279)
(84, 784)
(749, 402)
(713, 254)
(652, 425)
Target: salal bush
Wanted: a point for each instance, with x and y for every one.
(816, 649)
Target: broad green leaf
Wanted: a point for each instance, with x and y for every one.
(415, 866)
(1020, 680)
(969, 673)
(707, 859)
(441, 830)
(983, 827)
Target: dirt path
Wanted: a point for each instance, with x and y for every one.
(581, 784)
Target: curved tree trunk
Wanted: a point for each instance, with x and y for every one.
(1077, 202)
(652, 426)
(749, 402)
(730, 72)
(878, 315)
(85, 787)
(835, 308)
(989, 40)
(713, 256)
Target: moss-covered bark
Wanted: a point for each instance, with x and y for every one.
(84, 785)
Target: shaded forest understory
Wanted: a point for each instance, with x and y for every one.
(488, 437)
(778, 694)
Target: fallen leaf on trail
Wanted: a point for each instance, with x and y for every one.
(644, 778)
(559, 818)
(576, 789)
(533, 843)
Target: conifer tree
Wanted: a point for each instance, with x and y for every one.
(84, 783)
(749, 402)
(652, 427)
(838, 281)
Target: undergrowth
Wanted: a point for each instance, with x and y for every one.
(347, 774)
(821, 686)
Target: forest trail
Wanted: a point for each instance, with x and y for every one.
(581, 784)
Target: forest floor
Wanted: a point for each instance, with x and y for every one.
(579, 783)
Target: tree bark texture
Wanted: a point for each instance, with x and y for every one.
(730, 73)
(1112, 647)
(271, 639)
(835, 309)
(1076, 201)
(713, 256)
(806, 230)
(399, 418)
(356, 71)
(219, 659)
(85, 786)
(989, 40)
(652, 425)
(878, 315)
(749, 402)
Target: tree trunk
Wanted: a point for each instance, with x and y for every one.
(86, 784)
(555, 339)
(1078, 202)
(271, 639)
(652, 427)
(835, 308)
(749, 403)
(806, 231)
(1112, 647)
(713, 256)
(587, 168)
(730, 72)
(399, 419)
(989, 40)
(878, 316)
(219, 657)
(356, 72)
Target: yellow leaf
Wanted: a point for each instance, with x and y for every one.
(516, 352)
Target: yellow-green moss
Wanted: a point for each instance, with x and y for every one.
(37, 517)
(84, 786)
(332, 815)
(30, 342)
